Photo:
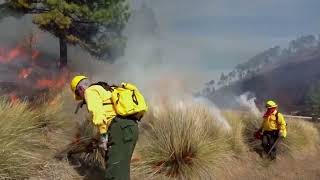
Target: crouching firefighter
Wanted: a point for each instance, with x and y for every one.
(273, 128)
(115, 111)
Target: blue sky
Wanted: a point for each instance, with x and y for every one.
(222, 33)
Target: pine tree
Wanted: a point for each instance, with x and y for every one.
(95, 25)
(313, 99)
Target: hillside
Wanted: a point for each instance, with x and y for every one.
(287, 80)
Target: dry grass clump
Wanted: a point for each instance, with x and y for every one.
(31, 135)
(56, 121)
(20, 139)
(56, 170)
(182, 143)
(251, 125)
(302, 137)
(79, 137)
(86, 146)
(237, 124)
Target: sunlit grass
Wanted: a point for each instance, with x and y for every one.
(182, 143)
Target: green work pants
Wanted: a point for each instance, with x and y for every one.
(123, 135)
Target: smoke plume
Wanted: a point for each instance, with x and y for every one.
(247, 100)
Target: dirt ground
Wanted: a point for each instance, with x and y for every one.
(284, 168)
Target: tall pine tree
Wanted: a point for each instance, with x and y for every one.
(95, 25)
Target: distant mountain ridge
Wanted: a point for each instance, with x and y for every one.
(285, 75)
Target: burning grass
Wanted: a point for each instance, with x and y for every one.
(182, 143)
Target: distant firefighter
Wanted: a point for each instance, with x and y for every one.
(273, 128)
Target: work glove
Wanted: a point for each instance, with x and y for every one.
(103, 141)
(258, 134)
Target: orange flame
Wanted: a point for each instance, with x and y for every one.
(24, 73)
(6, 57)
(14, 98)
(52, 83)
(35, 54)
(14, 53)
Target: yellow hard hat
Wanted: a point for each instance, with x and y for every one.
(74, 83)
(271, 104)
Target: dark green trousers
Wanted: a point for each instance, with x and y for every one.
(268, 140)
(123, 135)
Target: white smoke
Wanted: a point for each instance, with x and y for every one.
(214, 110)
(187, 102)
(158, 59)
(247, 100)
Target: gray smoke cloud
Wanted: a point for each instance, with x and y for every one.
(157, 59)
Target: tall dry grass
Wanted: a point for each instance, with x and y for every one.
(182, 143)
(176, 142)
(31, 135)
(238, 134)
(20, 139)
(56, 170)
(186, 142)
(303, 138)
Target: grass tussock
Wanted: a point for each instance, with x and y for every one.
(238, 132)
(20, 139)
(182, 143)
(86, 146)
(30, 136)
(251, 125)
(54, 118)
(56, 170)
(303, 137)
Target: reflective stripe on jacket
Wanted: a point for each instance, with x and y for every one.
(271, 123)
(96, 96)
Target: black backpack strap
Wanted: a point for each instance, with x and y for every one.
(105, 85)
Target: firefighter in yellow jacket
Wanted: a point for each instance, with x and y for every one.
(118, 135)
(272, 128)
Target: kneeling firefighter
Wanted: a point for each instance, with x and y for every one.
(115, 111)
(272, 129)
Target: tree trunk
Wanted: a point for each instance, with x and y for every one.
(63, 53)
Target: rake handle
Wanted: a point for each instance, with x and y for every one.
(274, 145)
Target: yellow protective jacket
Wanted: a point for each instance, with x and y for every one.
(271, 123)
(102, 115)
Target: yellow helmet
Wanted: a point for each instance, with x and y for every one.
(74, 83)
(271, 104)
